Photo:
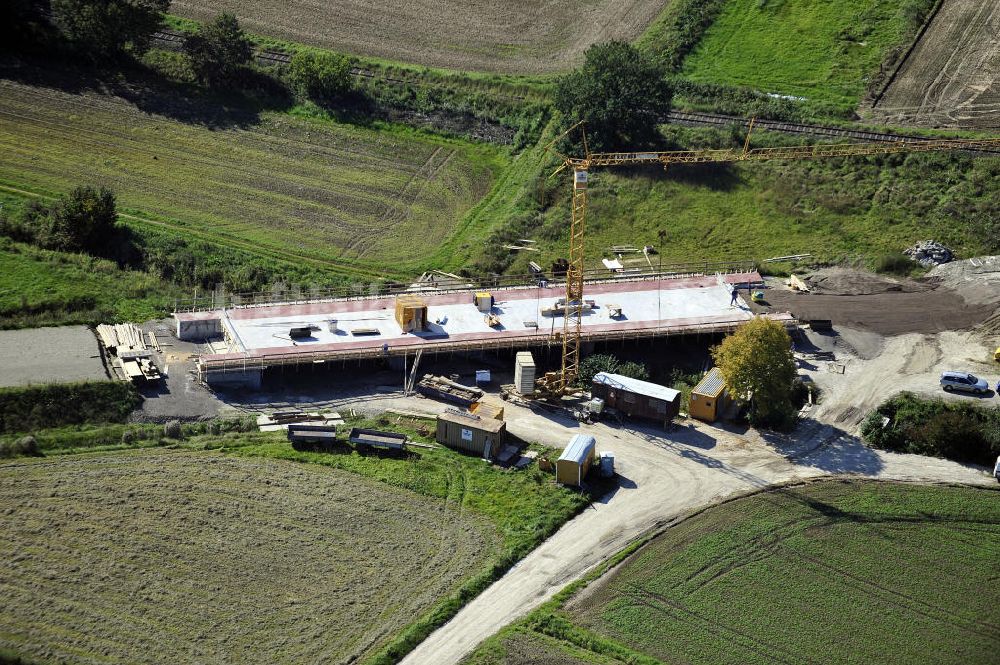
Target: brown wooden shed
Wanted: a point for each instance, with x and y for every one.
(471, 433)
(709, 398)
(635, 398)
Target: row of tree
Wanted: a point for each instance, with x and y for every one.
(219, 52)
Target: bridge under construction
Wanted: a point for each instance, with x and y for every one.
(248, 339)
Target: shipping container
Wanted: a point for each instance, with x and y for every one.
(471, 433)
(709, 398)
(576, 460)
(635, 398)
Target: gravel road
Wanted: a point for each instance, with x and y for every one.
(663, 476)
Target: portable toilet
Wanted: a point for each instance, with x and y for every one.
(607, 464)
(576, 460)
(709, 397)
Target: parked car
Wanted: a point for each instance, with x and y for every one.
(996, 469)
(964, 382)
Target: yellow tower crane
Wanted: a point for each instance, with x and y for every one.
(557, 383)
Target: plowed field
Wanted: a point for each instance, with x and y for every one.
(359, 198)
(952, 76)
(180, 557)
(520, 36)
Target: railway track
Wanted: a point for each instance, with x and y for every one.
(718, 120)
(272, 56)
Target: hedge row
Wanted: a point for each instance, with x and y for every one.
(53, 405)
(960, 431)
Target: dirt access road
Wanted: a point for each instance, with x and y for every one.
(951, 78)
(663, 476)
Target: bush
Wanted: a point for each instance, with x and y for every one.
(895, 263)
(323, 77)
(26, 445)
(172, 430)
(219, 51)
(601, 362)
(41, 407)
(958, 431)
(671, 39)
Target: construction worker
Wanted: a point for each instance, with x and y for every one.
(734, 293)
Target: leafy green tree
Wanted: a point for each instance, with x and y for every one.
(619, 92)
(104, 29)
(592, 365)
(85, 220)
(757, 362)
(322, 77)
(219, 50)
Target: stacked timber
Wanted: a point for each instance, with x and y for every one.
(121, 337)
(524, 373)
(439, 387)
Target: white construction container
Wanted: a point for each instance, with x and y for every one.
(524, 373)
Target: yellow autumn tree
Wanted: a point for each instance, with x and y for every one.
(757, 364)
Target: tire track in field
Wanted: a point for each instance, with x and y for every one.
(938, 87)
(112, 105)
(680, 612)
(399, 211)
(227, 242)
(989, 631)
(105, 137)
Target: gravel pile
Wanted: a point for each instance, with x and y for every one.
(929, 253)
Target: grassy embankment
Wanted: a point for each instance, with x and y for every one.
(40, 287)
(831, 572)
(835, 209)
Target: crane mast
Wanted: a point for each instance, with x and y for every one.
(581, 166)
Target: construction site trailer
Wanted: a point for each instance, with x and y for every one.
(300, 433)
(576, 460)
(709, 397)
(375, 438)
(471, 433)
(635, 398)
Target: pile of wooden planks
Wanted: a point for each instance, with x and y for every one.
(121, 337)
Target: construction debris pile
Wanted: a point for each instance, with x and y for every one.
(929, 253)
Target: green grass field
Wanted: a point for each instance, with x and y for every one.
(39, 287)
(823, 51)
(356, 199)
(833, 209)
(831, 572)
